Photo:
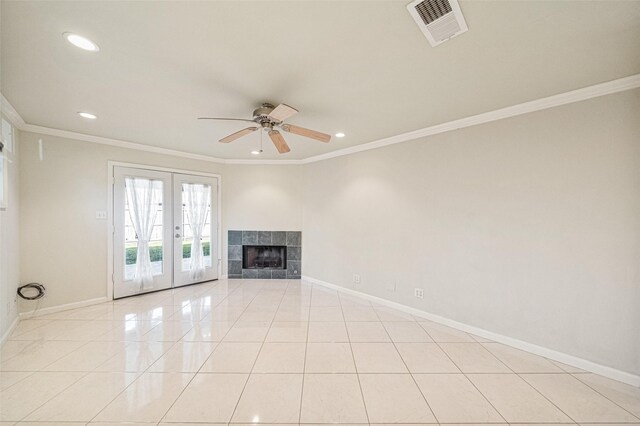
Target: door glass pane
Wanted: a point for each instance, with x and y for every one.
(143, 219)
(196, 227)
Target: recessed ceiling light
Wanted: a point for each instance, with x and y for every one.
(255, 152)
(81, 42)
(87, 115)
(339, 135)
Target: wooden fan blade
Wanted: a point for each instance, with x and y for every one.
(297, 130)
(279, 141)
(225, 119)
(232, 137)
(282, 112)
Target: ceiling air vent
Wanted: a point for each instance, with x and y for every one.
(439, 20)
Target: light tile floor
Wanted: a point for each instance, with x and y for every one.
(282, 352)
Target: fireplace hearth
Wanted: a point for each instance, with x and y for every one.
(264, 254)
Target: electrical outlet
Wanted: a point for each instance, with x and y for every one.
(101, 214)
(419, 293)
(356, 278)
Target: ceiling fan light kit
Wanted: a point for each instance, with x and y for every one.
(271, 118)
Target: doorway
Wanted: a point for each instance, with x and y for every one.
(165, 230)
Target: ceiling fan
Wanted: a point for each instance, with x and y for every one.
(271, 119)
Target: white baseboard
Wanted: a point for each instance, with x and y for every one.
(562, 357)
(7, 333)
(59, 308)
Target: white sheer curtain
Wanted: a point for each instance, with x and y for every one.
(144, 197)
(197, 199)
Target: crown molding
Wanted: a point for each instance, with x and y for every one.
(607, 88)
(147, 148)
(265, 162)
(10, 112)
(117, 143)
(585, 93)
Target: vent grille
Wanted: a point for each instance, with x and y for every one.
(430, 10)
(444, 28)
(439, 20)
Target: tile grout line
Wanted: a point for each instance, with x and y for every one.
(260, 350)
(47, 401)
(149, 366)
(212, 352)
(306, 350)
(463, 373)
(63, 356)
(601, 394)
(86, 343)
(13, 334)
(86, 373)
(353, 358)
(163, 354)
(544, 396)
(521, 378)
(42, 371)
(482, 344)
(405, 366)
(574, 375)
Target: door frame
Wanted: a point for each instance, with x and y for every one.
(110, 225)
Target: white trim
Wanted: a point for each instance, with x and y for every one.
(265, 162)
(10, 112)
(117, 143)
(162, 169)
(578, 95)
(12, 327)
(59, 308)
(585, 93)
(562, 357)
(110, 228)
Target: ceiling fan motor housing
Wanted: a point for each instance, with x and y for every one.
(263, 112)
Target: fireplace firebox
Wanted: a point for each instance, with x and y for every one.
(264, 257)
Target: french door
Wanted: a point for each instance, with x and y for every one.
(195, 229)
(165, 230)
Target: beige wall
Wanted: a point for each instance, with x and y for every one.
(10, 242)
(261, 198)
(528, 227)
(65, 247)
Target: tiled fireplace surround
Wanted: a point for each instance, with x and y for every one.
(291, 239)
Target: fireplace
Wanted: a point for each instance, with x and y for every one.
(264, 254)
(264, 257)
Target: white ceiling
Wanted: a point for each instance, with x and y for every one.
(361, 67)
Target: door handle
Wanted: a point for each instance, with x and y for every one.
(177, 235)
